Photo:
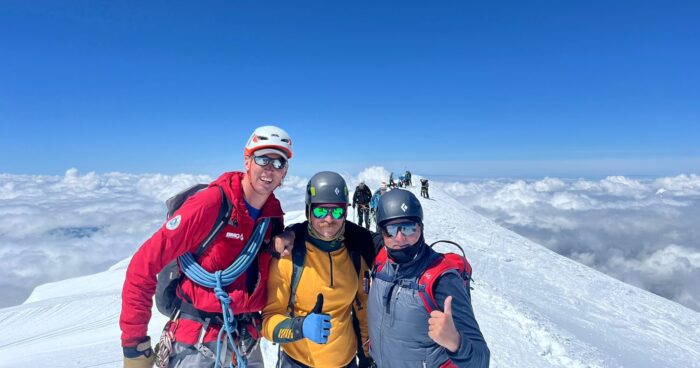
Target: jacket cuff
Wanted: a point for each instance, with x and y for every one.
(462, 351)
(142, 348)
(289, 330)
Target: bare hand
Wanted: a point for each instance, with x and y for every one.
(284, 243)
(441, 327)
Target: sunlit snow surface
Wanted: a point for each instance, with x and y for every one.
(535, 308)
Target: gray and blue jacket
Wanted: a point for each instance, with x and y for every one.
(375, 199)
(398, 319)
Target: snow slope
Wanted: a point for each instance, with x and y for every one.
(535, 308)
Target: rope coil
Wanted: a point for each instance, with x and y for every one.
(222, 278)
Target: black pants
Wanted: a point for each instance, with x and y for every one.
(285, 361)
(363, 212)
(424, 192)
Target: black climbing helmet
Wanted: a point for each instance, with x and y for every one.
(326, 187)
(396, 204)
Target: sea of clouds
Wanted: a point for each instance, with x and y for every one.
(645, 232)
(55, 227)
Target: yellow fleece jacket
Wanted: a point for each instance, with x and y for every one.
(336, 278)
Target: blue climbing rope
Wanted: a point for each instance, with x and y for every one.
(220, 279)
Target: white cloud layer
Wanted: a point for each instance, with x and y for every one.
(54, 227)
(644, 232)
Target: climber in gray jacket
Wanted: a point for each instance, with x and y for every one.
(408, 327)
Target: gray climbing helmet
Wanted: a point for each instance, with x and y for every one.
(326, 187)
(396, 204)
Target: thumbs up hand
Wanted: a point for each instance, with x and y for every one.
(441, 327)
(317, 325)
(318, 308)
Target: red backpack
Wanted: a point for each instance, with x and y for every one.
(442, 263)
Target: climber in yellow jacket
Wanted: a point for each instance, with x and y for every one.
(320, 320)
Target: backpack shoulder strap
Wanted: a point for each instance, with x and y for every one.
(428, 278)
(298, 255)
(363, 279)
(442, 264)
(379, 261)
(355, 257)
(221, 220)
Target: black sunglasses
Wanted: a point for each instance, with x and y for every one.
(263, 161)
(406, 228)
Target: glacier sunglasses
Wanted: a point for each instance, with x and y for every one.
(263, 161)
(321, 212)
(406, 228)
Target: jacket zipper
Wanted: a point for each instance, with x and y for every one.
(330, 260)
(396, 289)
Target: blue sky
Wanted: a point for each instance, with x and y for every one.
(519, 89)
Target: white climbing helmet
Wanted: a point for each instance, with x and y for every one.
(269, 139)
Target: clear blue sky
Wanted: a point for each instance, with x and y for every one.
(487, 88)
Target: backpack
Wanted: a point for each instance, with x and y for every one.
(442, 263)
(169, 277)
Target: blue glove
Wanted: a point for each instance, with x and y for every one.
(317, 325)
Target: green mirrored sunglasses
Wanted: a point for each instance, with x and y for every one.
(336, 212)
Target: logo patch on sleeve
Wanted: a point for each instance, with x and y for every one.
(173, 223)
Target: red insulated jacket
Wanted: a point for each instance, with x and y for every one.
(196, 218)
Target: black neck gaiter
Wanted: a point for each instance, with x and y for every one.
(407, 254)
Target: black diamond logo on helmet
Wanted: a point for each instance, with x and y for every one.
(337, 191)
(404, 207)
